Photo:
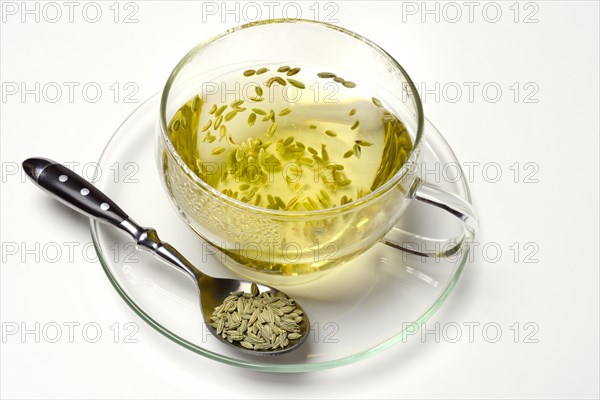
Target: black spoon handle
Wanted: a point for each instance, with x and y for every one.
(74, 191)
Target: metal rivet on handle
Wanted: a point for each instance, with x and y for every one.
(104, 206)
(84, 191)
(63, 178)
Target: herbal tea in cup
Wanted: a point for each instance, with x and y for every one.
(286, 153)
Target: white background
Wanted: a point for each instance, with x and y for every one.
(550, 209)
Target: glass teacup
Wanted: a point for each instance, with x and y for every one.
(288, 242)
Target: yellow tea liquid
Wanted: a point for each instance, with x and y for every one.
(289, 142)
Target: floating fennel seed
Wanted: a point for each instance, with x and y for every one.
(253, 191)
(293, 71)
(297, 170)
(284, 68)
(176, 125)
(217, 150)
(261, 71)
(312, 126)
(229, 116)
(259, 111)
(213, 109)
(349, 84)
(258, 90)
(326, 75)
(195, 103)
(325, 195)
(222, 132)
(352, 112)
(376, 101)
(285, 111)
(293, 201)
(313, 203)
(311, 150)
(218, 121)
(331, 133)
(363, 143)
(296, 84)
(339, 79)
(230, 141)
(280, 203)
(308, 206)
(251, 119)
(244, 187)
(309, 162)
(349, 154)
(324, 154)
(269, 116)
(256, 99)
(335, 167)
(220, 110)
(325, 204)
(297, 186)
(355, 125)
(356, 150)
(207, 126)
(279, 146)
(239, 154)
(276, 79)
(272, 129)
(236, 103)
(184, 123)
(288, 141)
(249, 72)
(318, 159)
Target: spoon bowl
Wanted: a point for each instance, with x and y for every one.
(214, 290)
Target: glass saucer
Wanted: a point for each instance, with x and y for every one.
(356, 310)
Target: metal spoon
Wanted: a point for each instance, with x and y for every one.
(79, 194)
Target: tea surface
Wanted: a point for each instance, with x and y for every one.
(289, 138)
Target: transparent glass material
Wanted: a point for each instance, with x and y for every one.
(258, 240)
(340, 304)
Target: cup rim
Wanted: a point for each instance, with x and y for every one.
(389, 184)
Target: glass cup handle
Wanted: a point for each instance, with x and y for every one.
(432, 194)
